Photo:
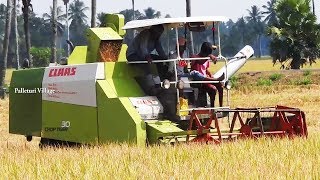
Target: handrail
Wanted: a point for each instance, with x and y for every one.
(176, 59)
(198, 82)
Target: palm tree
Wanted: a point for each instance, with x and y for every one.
(313, 9)
(128, 15)
(255, 16)
(188, 8)
(54, 30)
(151, 13)
(3, 12)
(67, 24)
(133, 15)
(241, 24)
(26, 8)
(58, 27)
(77, 12)
(188, 14)
(93, 13)
(48, 18)
(78, 23)
(3, 63)
(16, 34)
(101, 19)
(271, 18)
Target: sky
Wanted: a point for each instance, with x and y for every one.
(232, 9)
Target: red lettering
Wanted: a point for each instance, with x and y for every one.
(51, 73)
(146, 101)
(55, 72)
(67, 72)
(60, 72)
(73, 71)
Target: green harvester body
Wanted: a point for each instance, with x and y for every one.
(113, 118)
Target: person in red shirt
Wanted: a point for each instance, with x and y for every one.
(202, 66)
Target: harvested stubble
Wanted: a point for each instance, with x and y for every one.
(265, 158)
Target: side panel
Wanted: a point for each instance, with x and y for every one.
(25, 108)
(73, 84)
(78, 56)
(122, 56)
(93, 46)
(125, 87)
(160, 129)
(121, 70)
(69, 122)
(118, 121)
(118, 21)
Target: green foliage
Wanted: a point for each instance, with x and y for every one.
(78, 25)
(264, 82)
(297, 36)
(77, 12)
(271, 18)
(6, 86)
(151, 13)
(41, 56)
(234, 81)
(255, 19)
(61, 18)
(102, 19)
(307, 73)
(275, 76)
(2, 20)
(40, 32)
(304, 81)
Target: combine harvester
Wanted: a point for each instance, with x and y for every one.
(98, 97)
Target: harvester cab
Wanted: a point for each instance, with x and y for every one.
(99, 97)
(183, 90)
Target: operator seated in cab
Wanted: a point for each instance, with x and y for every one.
(143, 44)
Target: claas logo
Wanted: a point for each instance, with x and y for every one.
(67, 71)
(147, 101)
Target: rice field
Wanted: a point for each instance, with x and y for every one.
(265, 64)
(247, 159)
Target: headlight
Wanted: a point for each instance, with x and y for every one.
(180, 84)
(166, 84)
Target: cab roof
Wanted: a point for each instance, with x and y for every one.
(173, 22)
